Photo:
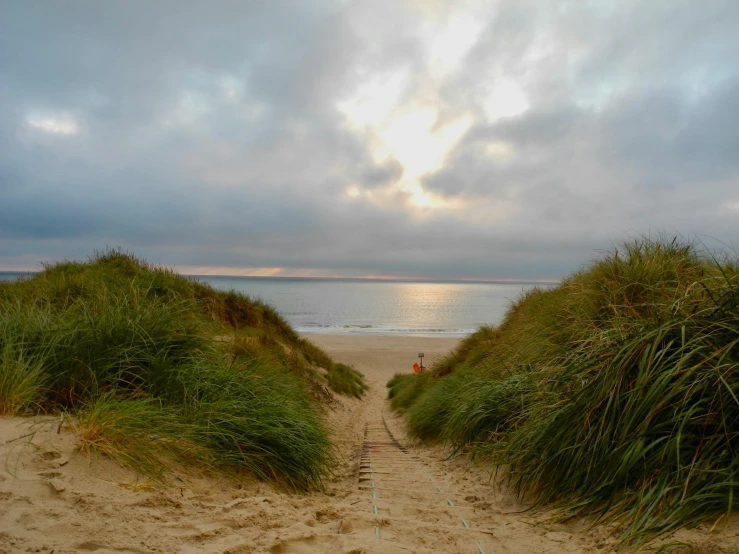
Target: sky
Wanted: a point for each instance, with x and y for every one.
(506, 139)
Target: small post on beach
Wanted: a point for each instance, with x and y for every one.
(420, 355)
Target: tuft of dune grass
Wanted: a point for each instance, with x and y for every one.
(258, 418)
(614, 395)
(22, 379)
(142, 434)
(127, 350)
(346, 380)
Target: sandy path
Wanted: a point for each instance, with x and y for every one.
(411, 498)
(388, 496)
(407, 499)
(414, 508)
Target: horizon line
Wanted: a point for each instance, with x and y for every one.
(503, 280)
(380, 278)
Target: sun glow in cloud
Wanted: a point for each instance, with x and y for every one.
(410, 130)
(290, 272)
(374, 100)
(448, 46)
(417, 144)
(353, 191)
(64, 125)
(500, 151)
(420, 198)
(412, 136)
(420, 145)
(506, 100)
(233, 271)
(410, 194)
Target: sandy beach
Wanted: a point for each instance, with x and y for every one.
(387, 495)
(380, 357)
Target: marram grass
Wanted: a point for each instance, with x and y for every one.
(22, 380)
(346, 380)
(154, 369)
(140, 433)
(613, 396)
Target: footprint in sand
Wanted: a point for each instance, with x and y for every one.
(27, 520)
(49, 455)
(309, 545)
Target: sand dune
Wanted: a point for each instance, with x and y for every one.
(387, 496)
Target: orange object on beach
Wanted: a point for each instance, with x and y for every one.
(416, 368)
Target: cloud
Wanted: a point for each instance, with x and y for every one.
(468, 139)
(63, 125)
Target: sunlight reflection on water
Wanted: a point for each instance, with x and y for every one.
(380, 307)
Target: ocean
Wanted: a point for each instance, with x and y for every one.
(338, 306)
(13, 275)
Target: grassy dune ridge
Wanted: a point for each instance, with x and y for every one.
(614, 395)
(127, 351)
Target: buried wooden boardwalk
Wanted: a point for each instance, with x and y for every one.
(408, 501)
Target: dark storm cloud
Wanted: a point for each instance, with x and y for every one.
(217, 134)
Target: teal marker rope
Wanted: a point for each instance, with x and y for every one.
(479, 549)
